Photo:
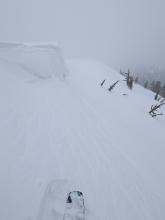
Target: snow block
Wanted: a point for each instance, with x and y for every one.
(40, 60)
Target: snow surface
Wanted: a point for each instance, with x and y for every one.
(57, 136)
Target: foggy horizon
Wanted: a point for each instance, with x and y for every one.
(82, 109)
(119, 33)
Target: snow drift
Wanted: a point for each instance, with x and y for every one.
(41, 60)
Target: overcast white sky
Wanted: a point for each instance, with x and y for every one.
(120, 33)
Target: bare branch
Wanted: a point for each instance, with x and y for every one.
(102, 83)
(154, 109)
(112, 86)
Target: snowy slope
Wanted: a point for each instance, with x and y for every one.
(57, 136)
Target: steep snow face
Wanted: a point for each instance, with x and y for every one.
(41, 60)
(57, 136)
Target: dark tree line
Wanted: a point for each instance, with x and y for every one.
(155, 86)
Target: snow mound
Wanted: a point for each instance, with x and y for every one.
(40, 60)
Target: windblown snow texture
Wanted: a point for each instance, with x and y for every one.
(59, 136)
(54, 200)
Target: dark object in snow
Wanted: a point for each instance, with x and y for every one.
(69, 200)
(112, 86)
(102, 82)
(154, 108)
(156, 96)
(129, 80)
(75, 209)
